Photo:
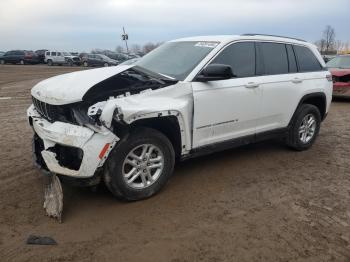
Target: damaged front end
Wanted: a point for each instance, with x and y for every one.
(341, 83)
(73, 140)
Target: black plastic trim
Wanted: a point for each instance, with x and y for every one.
(236, 142)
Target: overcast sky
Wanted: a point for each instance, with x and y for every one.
(80, 25)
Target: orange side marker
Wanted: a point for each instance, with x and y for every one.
(103, 151)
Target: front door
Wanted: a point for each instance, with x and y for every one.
(228, 109)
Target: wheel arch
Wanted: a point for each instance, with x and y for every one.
(317, 99)
(170, 123)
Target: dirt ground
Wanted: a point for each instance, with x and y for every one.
(261, 202)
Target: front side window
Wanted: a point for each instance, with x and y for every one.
(306, 59)
(241, 58)
(275, 58)
(176, 59)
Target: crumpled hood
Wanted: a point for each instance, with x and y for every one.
(70, 88)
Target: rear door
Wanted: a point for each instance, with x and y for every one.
(60, 58)
(228, 109)
(289, 71)
(278, 85)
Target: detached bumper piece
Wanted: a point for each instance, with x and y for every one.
(68, 149)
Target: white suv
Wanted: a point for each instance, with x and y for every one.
(126, 125)
(61, 58)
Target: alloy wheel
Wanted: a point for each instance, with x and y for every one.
(307, 128)
(143, 166)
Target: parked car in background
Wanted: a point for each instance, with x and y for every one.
(61, 58)
(340, 69)
(118, 56)
(19, 57)
(41, 55)
(1, 53)
(131, 61)
(98, 60)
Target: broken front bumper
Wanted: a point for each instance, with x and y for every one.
(341, 89)
(68, 149)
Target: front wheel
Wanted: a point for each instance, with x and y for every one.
(139, 166)
(2, 62)
(85, 64)
(304, 127)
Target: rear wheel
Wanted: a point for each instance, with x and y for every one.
(21, 62)
(140, 166)
(304, 127)
(49, 62)
(85, 64)
(105, 64)
(2, 62)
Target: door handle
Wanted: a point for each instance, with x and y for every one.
(252, 85)
(297, 80)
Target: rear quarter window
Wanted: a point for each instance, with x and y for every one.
(307, 61)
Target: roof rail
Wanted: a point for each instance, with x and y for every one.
(274, 36)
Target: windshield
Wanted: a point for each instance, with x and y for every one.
(339, 62)
(176, 59)
(66, 54)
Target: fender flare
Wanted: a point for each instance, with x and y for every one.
(307, 96)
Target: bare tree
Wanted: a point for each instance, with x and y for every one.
(329, 38)
(135, 48)
(150, 46)
(321, 45)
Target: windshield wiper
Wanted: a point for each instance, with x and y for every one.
(155, 75)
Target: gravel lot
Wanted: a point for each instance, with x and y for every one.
(261, 202)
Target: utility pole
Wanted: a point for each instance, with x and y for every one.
(125, 38)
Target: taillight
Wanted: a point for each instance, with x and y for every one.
(329, 78)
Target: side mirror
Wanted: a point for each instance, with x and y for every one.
(214, 72)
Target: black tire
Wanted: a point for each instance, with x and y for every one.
(21, 62)
(113, 175)
(85, 64)
(293, 137)
(70, 63)
(2, 61)
(49, 62)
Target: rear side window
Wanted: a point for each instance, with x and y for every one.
(291, 59)
(53, 53)
(240, 56)
(306, 59)
(275, 58)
